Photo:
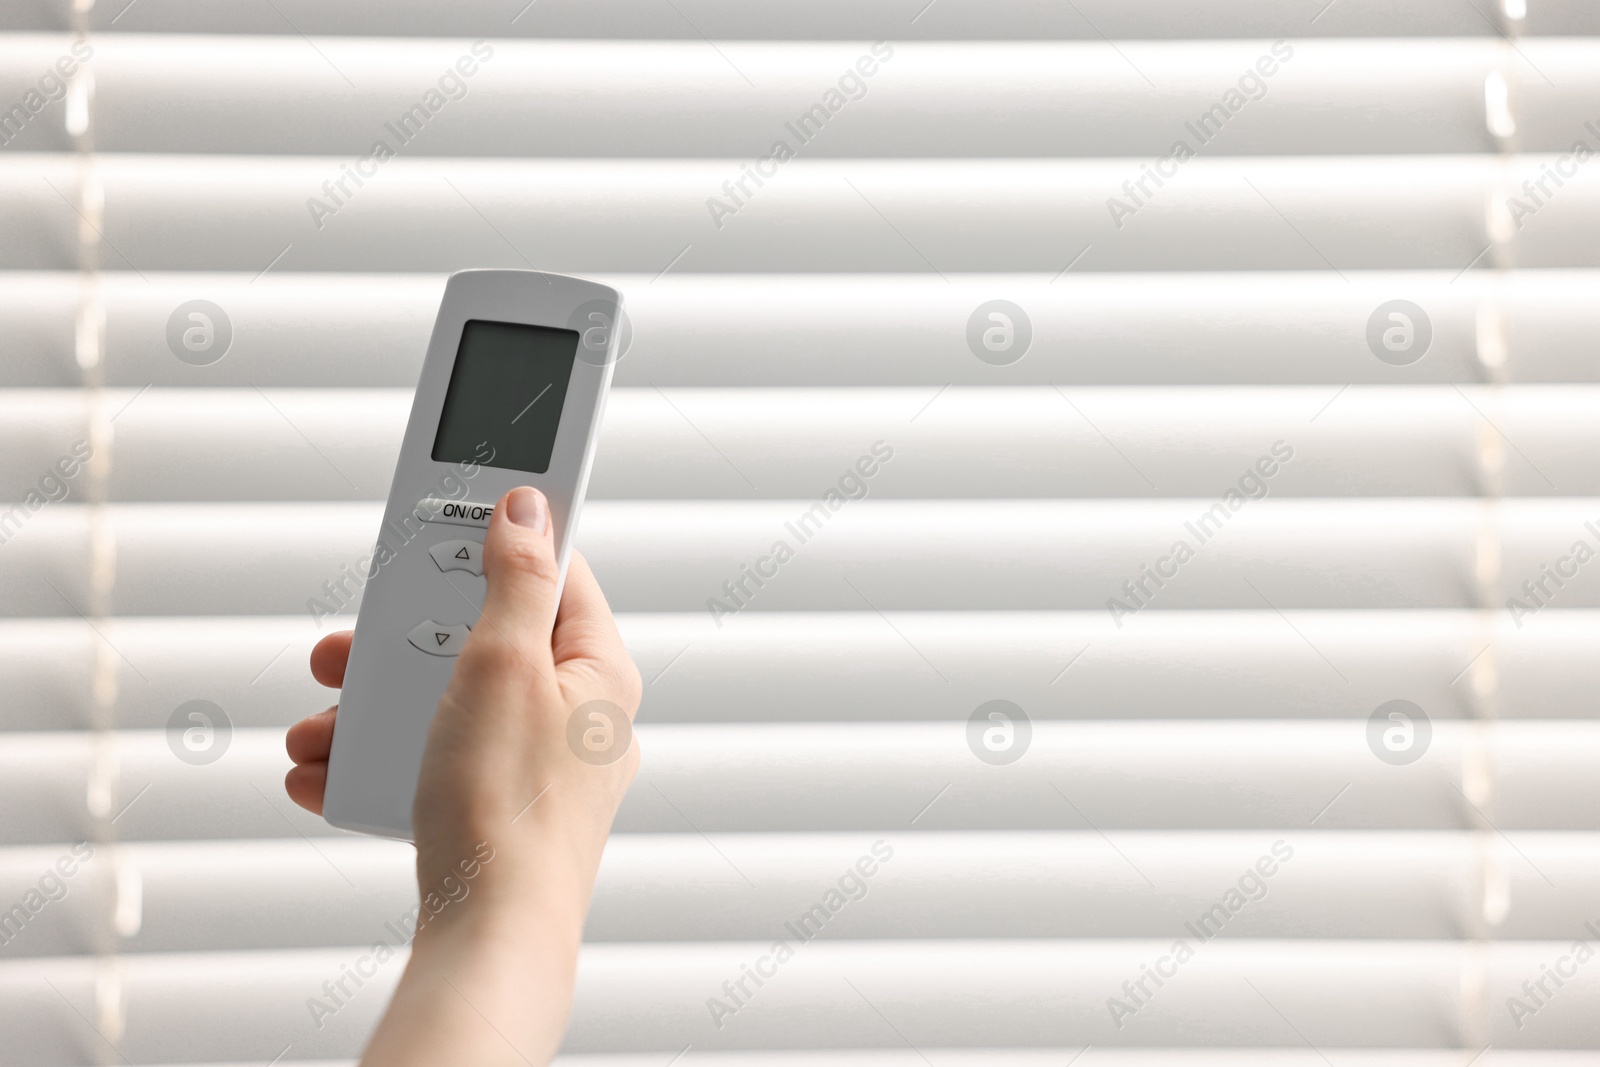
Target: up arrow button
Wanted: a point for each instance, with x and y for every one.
(458, 556)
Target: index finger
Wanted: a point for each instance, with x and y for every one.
(329, 658)
(586, 636)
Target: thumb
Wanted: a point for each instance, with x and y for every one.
(519, 564)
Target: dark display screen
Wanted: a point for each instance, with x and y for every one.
(506, 394)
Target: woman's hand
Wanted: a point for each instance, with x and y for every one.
(528, 757)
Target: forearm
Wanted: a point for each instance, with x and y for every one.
(490, 980)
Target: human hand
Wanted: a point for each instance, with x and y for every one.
(500, 768)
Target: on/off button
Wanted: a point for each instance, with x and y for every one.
(455, 512)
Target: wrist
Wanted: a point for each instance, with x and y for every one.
(530, 887)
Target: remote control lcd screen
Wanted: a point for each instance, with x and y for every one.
(505, 396)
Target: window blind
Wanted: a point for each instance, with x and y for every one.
(986, 769)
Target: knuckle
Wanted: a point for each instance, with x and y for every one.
(630, 685)
(618, 678)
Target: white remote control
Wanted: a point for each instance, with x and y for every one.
(511, 394)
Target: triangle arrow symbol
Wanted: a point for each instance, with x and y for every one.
(441, 638)
(463, 553)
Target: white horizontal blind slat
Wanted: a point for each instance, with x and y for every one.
(1037, 442)
(1055, 665)
(230, 213)
(219, 895)
(366, 331)
(740, 19)
(1406, 993)
(181, 559)
(726, 778)
(186, 94)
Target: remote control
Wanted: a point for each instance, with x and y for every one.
(511, 394)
